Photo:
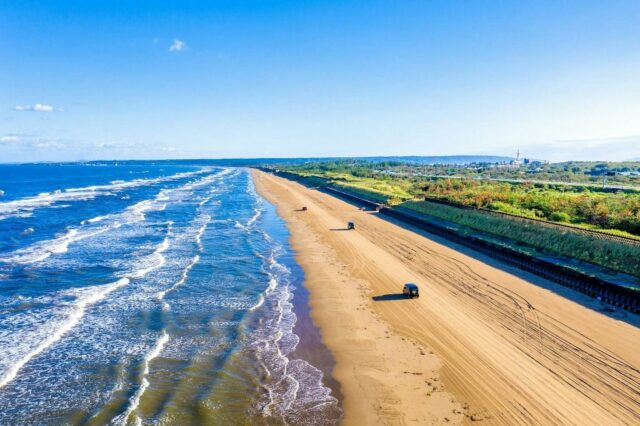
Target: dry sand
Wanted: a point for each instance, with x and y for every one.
(481, 343)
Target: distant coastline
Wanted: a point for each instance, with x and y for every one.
(250, 162)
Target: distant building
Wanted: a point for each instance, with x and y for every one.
(516, 162)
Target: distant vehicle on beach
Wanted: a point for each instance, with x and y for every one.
(410, 291)
(351, 226)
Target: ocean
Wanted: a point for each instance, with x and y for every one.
(152, 293)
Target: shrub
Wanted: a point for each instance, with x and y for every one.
(560, 217)
(566, 242)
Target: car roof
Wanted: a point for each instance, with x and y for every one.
(411, 285)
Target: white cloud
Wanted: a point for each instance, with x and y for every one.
(107, 145)
(36, 108)
(48, 143)
(10, 138)
(29, 141)
(177, 45)
(133, 148)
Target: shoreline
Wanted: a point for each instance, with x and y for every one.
(311, 347)
(483, 343)
(376, 385)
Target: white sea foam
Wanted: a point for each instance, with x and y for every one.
(28, 204)
(205, 200)
(156, 259)
(183, 278)
(273, 283)
(90, 297)
(294, 388)
(255, 217)
(185, 272)
(257, 305)
(290, 384)
(206, 219)
(164, 338)
(73, 315)
(42, 250)
(136, 213)
(96, 219)
(134, 402)
(94, 295)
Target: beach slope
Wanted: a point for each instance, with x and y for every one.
(483, 342)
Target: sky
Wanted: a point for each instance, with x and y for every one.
(84, 80)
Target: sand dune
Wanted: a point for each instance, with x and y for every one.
(483, 342)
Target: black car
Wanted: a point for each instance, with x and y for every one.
(410, 291)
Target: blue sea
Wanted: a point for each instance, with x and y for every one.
(152, 293)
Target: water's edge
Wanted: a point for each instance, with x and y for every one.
(174, 298)
(310, 348)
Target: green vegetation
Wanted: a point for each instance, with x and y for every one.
(611, 254)
(608, 210)
(553, 202)
(575, 172)
(360, 181)
(410, 186)
(582, 173)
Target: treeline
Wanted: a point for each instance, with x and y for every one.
(610, 210)
(588, 173)
(558, 203)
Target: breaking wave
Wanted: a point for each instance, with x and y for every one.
(92, 296)
(197, 288)
(24, 206)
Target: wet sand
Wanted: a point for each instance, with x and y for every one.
(483, 342)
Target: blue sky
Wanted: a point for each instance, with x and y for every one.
(184, 79)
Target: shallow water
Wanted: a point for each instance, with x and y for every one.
(151, 294)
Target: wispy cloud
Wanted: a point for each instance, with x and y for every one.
(48, 143)
(177, 45)
(133, 148)
(107, 145)
(10, 138)
(37, 108)
(27, 141)
(38, 147)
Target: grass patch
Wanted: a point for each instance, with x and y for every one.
(610, 254)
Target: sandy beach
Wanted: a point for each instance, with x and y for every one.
(484, 342)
